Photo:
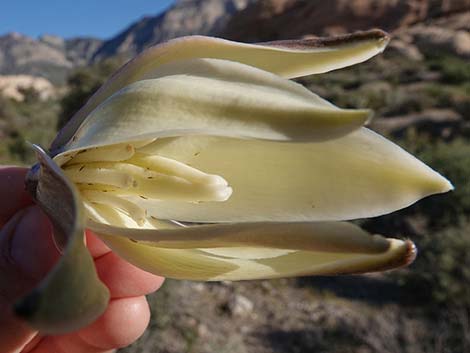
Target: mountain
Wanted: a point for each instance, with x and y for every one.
(185, 17)
(420, 25)
(20, 54)
(80, 50)
(49, 56)
(53, 57)
(284, 19)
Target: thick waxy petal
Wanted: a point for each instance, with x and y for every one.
(285, 58)
(356, 176)
(311, 236)
(71, 295)
(260, 250)
(215, 97)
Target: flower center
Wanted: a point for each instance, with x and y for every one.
(114, 175)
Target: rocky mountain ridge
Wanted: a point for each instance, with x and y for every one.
(185, 17)
(418, 26)
(52, 57)
(49, 56)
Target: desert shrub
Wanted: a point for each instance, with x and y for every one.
(454, 70)
(443, 96)
(82, 84)
(441, 273)
(29, 121)
(452, 160)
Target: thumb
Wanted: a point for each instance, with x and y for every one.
(27, 253)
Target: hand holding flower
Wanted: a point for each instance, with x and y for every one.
(28, 253)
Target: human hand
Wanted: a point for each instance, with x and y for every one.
(27, 253)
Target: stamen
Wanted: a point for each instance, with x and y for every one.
(105, 174)
(164, 187)
(114, 153)
(105, 214)
(137, 213)
(87, 174)
(170, 166)
(94, 214)
(155, 185)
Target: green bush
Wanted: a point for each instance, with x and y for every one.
(453, 69)
(36, 121)
(82, 84)
(29, 121)
(441, 273)
(453, 161)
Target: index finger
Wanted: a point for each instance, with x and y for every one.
(13, 196)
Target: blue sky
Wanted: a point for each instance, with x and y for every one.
(70, 18)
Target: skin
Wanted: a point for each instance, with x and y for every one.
(27, 253)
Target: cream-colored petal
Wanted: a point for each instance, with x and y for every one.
(172, 263)
(254, 250)
(339, 237)
(196, 264)
(286, 58)
(356, 176)
(215, 97)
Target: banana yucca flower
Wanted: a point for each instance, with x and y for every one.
(201, 160)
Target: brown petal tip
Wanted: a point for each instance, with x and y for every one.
(411, 253)
(403, 259)
(319, 42)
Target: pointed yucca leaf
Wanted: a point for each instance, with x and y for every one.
(356, 176)
(284, 58)
(255, 251)
(71, 295)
